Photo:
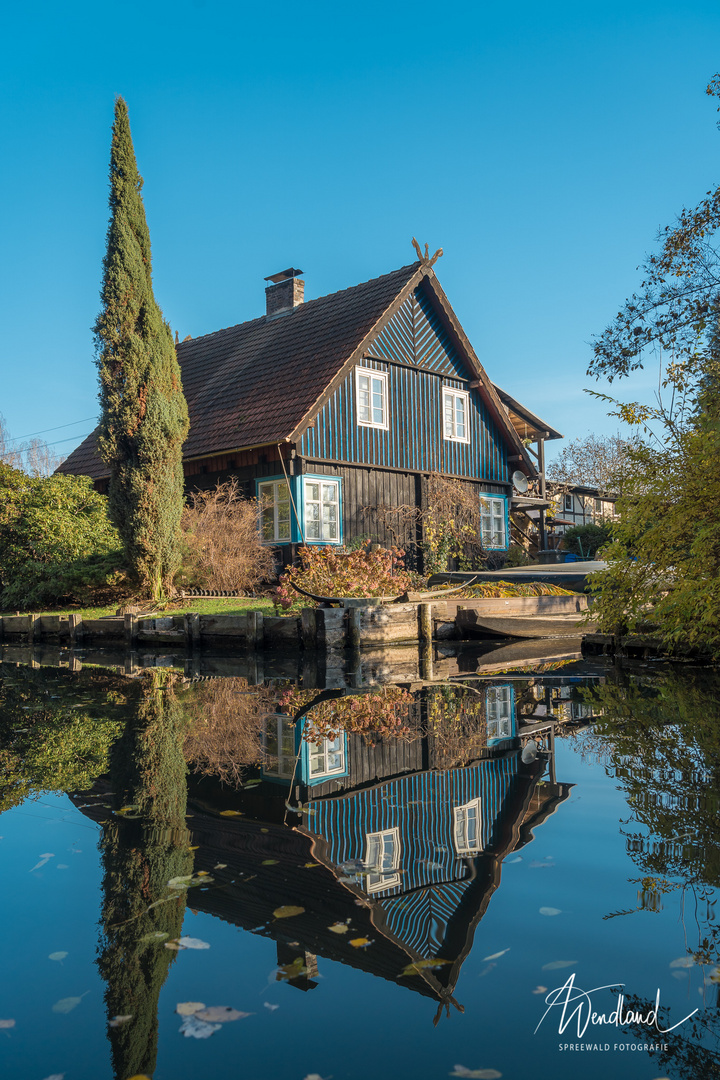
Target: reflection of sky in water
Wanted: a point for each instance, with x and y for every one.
(352, 1024)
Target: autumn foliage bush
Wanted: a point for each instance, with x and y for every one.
(223, 549)
(329, 571)
(387, 713)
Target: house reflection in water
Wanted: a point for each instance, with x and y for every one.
(395, 849)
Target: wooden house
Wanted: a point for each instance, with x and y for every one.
(352, 400)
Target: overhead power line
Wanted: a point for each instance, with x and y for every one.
(71, 438)
(44, 431)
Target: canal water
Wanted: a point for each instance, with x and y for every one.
(288, 876)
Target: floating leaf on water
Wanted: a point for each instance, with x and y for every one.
(518, 858)
(59, 1076)
(550, 911)
(192, 1028)
(315, 1076)
(269, 862)
(231, 813)
(679, 974)
(359, 942)
(188, 1008)
(66, 1005)
(287, 910)
(155, 935)
(540, 990)
(291, 971)
(264, 830)
(62, 866)
(682, 962)
(220, 1014)
(7, 1024)
(118, 1021)
(130, 809)
(174, 945)
(272, 1008)
(537, 864)
(486, 970)
(339, 928)
(310, 865)
(496, 955)
(59, 956)
(421, 965)
(557, 964)
(252, 783)
(180, 882)
(44, 858)
(475, 1074)
(220, 866)
(192, 943)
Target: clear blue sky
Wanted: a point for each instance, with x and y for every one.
(542, 145)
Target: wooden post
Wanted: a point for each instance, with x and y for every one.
(74, 664)
(130, 663)
(255, 630)
(131, 629)
(76, 630)
(309, 629)
(2, 632)
(353, 628)
(425, 622)
(192, 630)
(32, 628)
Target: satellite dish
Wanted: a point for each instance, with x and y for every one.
(520, 481)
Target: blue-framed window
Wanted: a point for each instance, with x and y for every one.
(321, 509)
(494, 521)
(323, 759)
(500, 713)
(279, 744)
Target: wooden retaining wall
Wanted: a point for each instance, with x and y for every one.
(354, 626)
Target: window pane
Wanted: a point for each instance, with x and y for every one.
(460, 417)
(312, 491)
(329, 492)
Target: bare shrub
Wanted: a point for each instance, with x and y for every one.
(226, 725)
(223, 549)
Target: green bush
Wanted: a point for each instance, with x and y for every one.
(56, 540)
(586, 540)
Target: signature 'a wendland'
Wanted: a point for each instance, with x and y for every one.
(575, 1003)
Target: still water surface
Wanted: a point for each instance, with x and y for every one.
(385, 882)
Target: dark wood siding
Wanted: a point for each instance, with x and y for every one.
(416, 353)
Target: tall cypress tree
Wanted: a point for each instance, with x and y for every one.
(144, 417)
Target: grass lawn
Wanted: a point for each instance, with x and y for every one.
(217, 605)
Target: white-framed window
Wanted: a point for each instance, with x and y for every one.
(326, 757)
(499, 712)
(456, 410)
(279, 747)
(467, 828)
(493, 521)
(382, 859)
(568, 502)
(274, 496)
(598, 506)
(321, 500)
(372, 397)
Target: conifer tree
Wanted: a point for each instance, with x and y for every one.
(144, 417)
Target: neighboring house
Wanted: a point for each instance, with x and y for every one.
(578, 504)
(325, 408)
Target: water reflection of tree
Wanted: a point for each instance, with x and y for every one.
(56, 730)
(142, 849)
(225, 726)
(693, 1049)
(660, 738)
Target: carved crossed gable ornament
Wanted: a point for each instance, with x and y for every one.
(425, 259)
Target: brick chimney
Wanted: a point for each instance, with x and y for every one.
(284, 292)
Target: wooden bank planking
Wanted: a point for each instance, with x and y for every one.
(321, 629)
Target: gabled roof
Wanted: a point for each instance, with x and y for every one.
(263, 381)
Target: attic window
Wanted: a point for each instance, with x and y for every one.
(456, 408)
(372, 398)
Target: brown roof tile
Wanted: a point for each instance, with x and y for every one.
(254, 383)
